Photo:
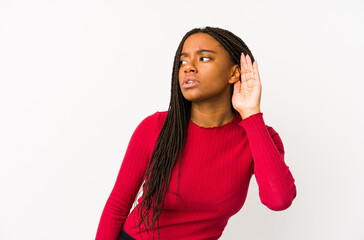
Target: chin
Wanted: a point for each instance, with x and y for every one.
(193, 97)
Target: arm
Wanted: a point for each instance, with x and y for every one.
(276, 183)
(129, 179)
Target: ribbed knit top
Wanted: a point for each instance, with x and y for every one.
(216, 167)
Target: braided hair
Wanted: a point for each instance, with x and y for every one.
(171, 139)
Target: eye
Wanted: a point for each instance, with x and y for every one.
(181, 62)
(206, 58)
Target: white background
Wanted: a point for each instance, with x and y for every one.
(77, 77)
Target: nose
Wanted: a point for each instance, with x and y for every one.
(190, 67)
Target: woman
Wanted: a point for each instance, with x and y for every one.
(215, 129)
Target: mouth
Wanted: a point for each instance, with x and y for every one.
(190, 82)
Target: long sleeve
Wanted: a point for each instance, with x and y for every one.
(129, 179)
(276, 184)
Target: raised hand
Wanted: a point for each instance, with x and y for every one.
(247, 92)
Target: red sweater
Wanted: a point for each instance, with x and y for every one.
(216, 167)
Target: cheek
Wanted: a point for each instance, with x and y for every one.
(224, 73)
(215, 75)
(180, 75)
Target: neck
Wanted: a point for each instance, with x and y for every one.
(211, 116)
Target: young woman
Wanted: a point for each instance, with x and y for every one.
(197, 158)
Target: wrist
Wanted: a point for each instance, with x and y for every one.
(248, 113)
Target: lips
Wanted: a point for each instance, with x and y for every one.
(192, 82)
(190, 79)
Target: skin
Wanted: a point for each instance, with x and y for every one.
(210, 100)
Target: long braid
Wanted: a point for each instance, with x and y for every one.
(171, 139)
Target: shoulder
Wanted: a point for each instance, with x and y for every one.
(155, 117)
(162, 115)
(152, 122)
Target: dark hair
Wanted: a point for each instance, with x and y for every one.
(172, 136)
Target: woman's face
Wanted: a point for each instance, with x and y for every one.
(208, 64)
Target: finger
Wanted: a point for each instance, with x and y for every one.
(249, 67)
(256, 71)
(243, 68)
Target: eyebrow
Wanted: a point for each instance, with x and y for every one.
(199, 51)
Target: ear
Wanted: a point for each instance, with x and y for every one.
(235, 74)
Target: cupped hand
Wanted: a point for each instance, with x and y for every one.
(247, 92)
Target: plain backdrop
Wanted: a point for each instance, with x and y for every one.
(77, 77)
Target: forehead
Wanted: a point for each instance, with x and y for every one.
(201, 41)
